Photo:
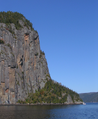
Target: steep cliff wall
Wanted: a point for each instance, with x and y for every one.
(23, 66)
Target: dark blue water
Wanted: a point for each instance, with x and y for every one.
(88, 111)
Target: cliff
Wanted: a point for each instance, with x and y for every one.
(23, 66)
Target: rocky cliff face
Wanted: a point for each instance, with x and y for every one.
(23, 67)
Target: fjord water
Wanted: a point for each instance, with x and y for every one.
(88, 111)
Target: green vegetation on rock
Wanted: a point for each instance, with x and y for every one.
(9, 46)
(1, 41)
(51, 93)
(41, 53)
(14, 17)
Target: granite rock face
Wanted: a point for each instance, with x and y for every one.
(23, 67)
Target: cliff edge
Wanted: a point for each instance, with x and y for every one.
(23, 66)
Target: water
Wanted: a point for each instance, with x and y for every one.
(88, 111)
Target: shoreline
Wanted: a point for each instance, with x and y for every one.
(41, 104)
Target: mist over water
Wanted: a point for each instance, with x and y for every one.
(88, 111)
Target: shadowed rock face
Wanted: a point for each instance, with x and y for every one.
(23, 67)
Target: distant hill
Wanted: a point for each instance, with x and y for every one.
(89, 97)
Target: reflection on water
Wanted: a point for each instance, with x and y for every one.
(89, 111)
(23, 112)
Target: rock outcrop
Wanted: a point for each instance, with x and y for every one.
(23, 66)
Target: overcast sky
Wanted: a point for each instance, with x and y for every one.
(68, 34)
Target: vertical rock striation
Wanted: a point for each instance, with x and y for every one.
(23, 67)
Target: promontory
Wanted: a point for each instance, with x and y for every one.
(24, 74)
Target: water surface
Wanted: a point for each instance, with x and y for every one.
(88, 111)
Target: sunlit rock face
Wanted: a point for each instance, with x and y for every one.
(23, 67)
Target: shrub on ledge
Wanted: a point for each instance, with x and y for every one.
(1, 41)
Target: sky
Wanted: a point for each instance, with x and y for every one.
(68, 34)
